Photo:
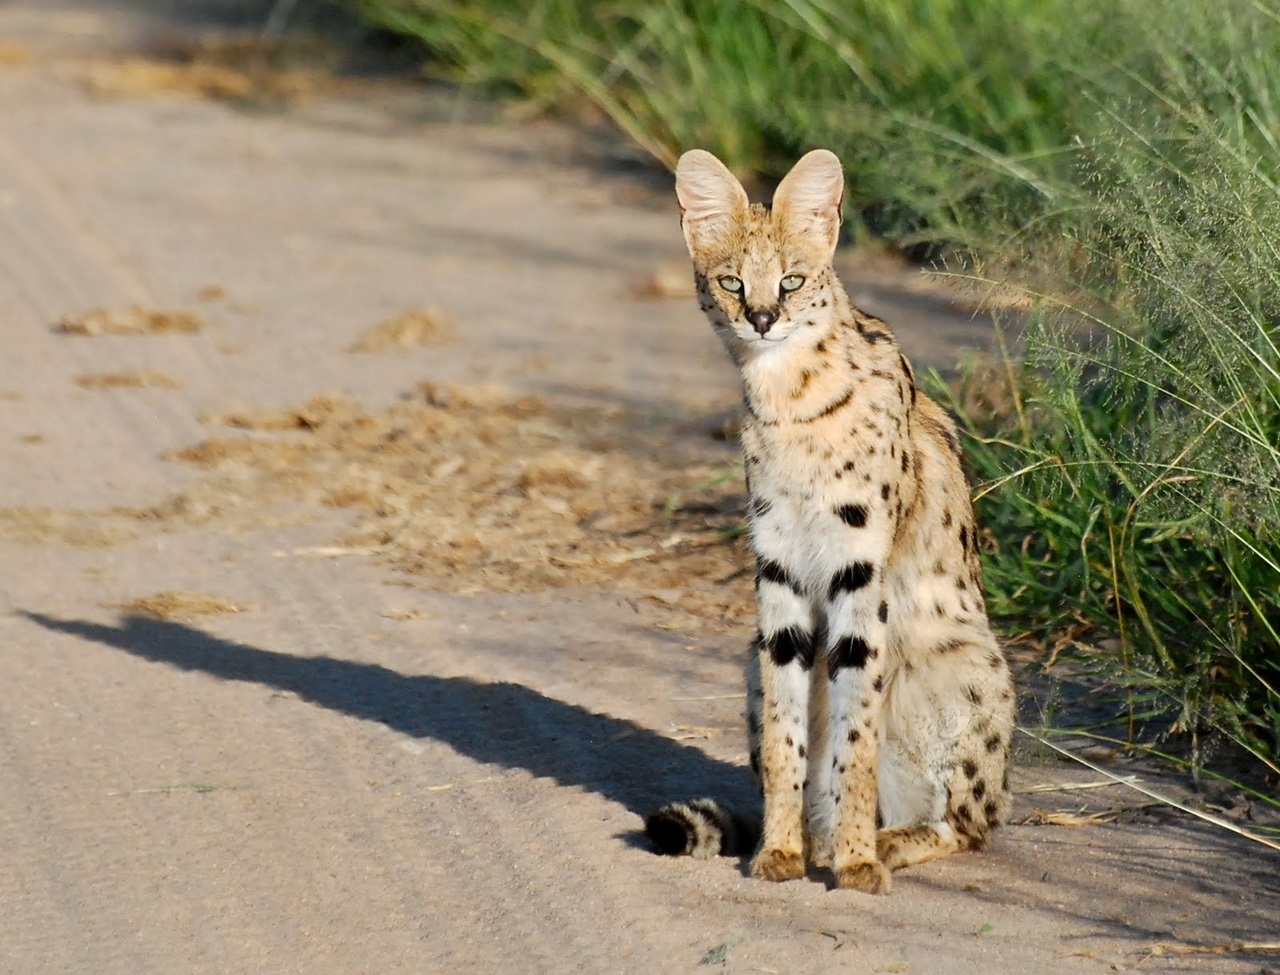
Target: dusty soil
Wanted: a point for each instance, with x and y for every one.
(356, 626)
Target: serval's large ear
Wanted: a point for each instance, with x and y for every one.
(810, 197)
(711, 198)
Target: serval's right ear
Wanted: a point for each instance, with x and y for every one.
(711, 198)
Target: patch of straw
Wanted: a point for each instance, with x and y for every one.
(129, 321)
(129, 379)
(179, 604)
(406, 331)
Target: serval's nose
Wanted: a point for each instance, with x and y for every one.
(762, 319)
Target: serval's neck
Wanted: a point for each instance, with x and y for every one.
(818, 368)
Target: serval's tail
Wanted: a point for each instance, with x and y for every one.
(701, 828)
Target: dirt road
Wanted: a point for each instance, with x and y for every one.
(331, 661)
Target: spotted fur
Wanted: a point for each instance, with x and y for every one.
(879, 705)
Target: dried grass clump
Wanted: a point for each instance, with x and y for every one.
(128, 379)
(129, 321)
(477, 491)
(180, 604)
(409, 330)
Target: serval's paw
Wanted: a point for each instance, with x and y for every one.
(870, 878)
(777, 865)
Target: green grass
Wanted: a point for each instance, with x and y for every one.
(1122, 156)
(1135, 486)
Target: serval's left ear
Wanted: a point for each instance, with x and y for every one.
(810, 198)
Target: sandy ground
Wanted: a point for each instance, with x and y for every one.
(347, 620)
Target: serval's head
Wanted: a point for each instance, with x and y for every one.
(762, 273)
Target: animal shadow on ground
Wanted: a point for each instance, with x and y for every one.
(501, 724)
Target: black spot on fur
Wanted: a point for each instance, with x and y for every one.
(802, 751)
(906, 459)
(761, 506)
(946, 517)
(884, 492)
(991, 809)
(767, 570)
(853, 515)
(854, 735)
(848, 651)
(969, 767)
(993, 744)
(979, 790)
(851, 578)
(872, 334)
(973, 694)
(877, 685)
(791, 644)
(883, 612)
(670, 831)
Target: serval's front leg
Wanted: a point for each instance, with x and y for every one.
(784, 656)
(856, 661)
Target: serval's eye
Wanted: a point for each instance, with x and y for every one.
(791, 282)
(731, 284)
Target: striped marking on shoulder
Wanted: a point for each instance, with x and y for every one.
(837, 404)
